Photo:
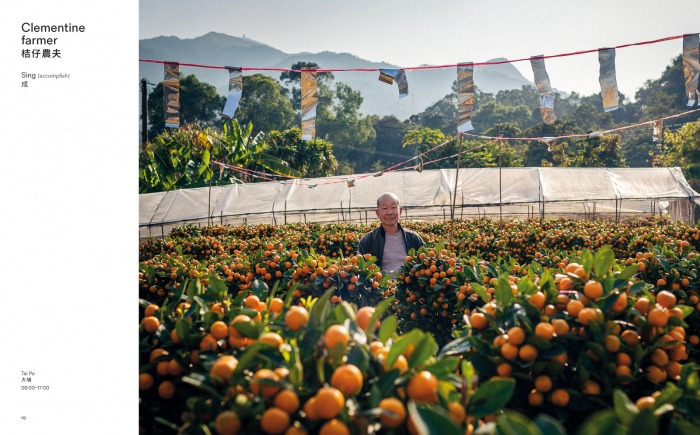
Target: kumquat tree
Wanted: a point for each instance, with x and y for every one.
(520, 327)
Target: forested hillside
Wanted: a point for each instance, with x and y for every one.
(350, 141)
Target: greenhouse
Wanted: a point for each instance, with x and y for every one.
(429, 195)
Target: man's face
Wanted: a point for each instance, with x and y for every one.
(388, 212)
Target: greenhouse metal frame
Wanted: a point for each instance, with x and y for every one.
(440, 194)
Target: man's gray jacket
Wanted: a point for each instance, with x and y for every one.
(373, 242)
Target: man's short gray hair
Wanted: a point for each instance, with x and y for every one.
(386, 195)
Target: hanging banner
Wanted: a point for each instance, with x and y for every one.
(658, 130)
(171, 94)
(235, 90)
(402, 81)
(309, 100)
(608, 79)
(544, 88)
(465, 96)
(389, 75)
(691, 66)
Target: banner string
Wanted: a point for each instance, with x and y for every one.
(266, 176)
(592, 134)
(423, 67)
(397, 167)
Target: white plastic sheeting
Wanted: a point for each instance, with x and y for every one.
(480, 192)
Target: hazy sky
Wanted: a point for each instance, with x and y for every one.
(415, 32)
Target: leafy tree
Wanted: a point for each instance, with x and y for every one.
(626, 113)
(493, 113)
(181, 158)
(388, 141)
(312, 158)
(423, 139)
(175, 159)
(476, 154)
(351, 133)
(472, 153)
(555, 152)
(658, 98)
(681, 148)
(510, 152)
(590, 118)
(338, 118)
(200, 104)
(238, 146)
(525, 96)
(442, 115)
(292, 79)
(599, 152)
(639, 151)
(265, 104)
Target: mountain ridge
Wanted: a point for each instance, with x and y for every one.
(425, 86)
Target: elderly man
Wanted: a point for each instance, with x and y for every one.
(389, 242)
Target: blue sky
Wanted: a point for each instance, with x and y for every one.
(415, 32)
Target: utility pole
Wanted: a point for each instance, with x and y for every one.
(144, 112)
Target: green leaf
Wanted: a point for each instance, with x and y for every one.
(443, 367)
(344, 311)
(682, 427)
(526, 286)
(597, 348)
(503, 293)
(166, 423)
(692, 406)
(209, 318)
(259, 288)
(247, 329)
(218, 286)
(687, 310)
(200, 303)
(690, 381)
(480, 291)
(386, 382)
(195, 288)
(491, 397)
(549, 425)
(663, 409)
(379, 311)
(603, 260)
(456, 347)
(424, 349)
(670, 394)
(398, 348)
(624, 408)
(627, 273)
(639, 287)
(182, 328)
(321, 308)
(587, 260)
(388, 328)
(644, 422)
(467, 369)
(320, 371)
(200, 384)
(602, 423)
(247, 359)
(547, 285)
(432, 420)
(514, 423)
(177, 296)
(296, 369)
